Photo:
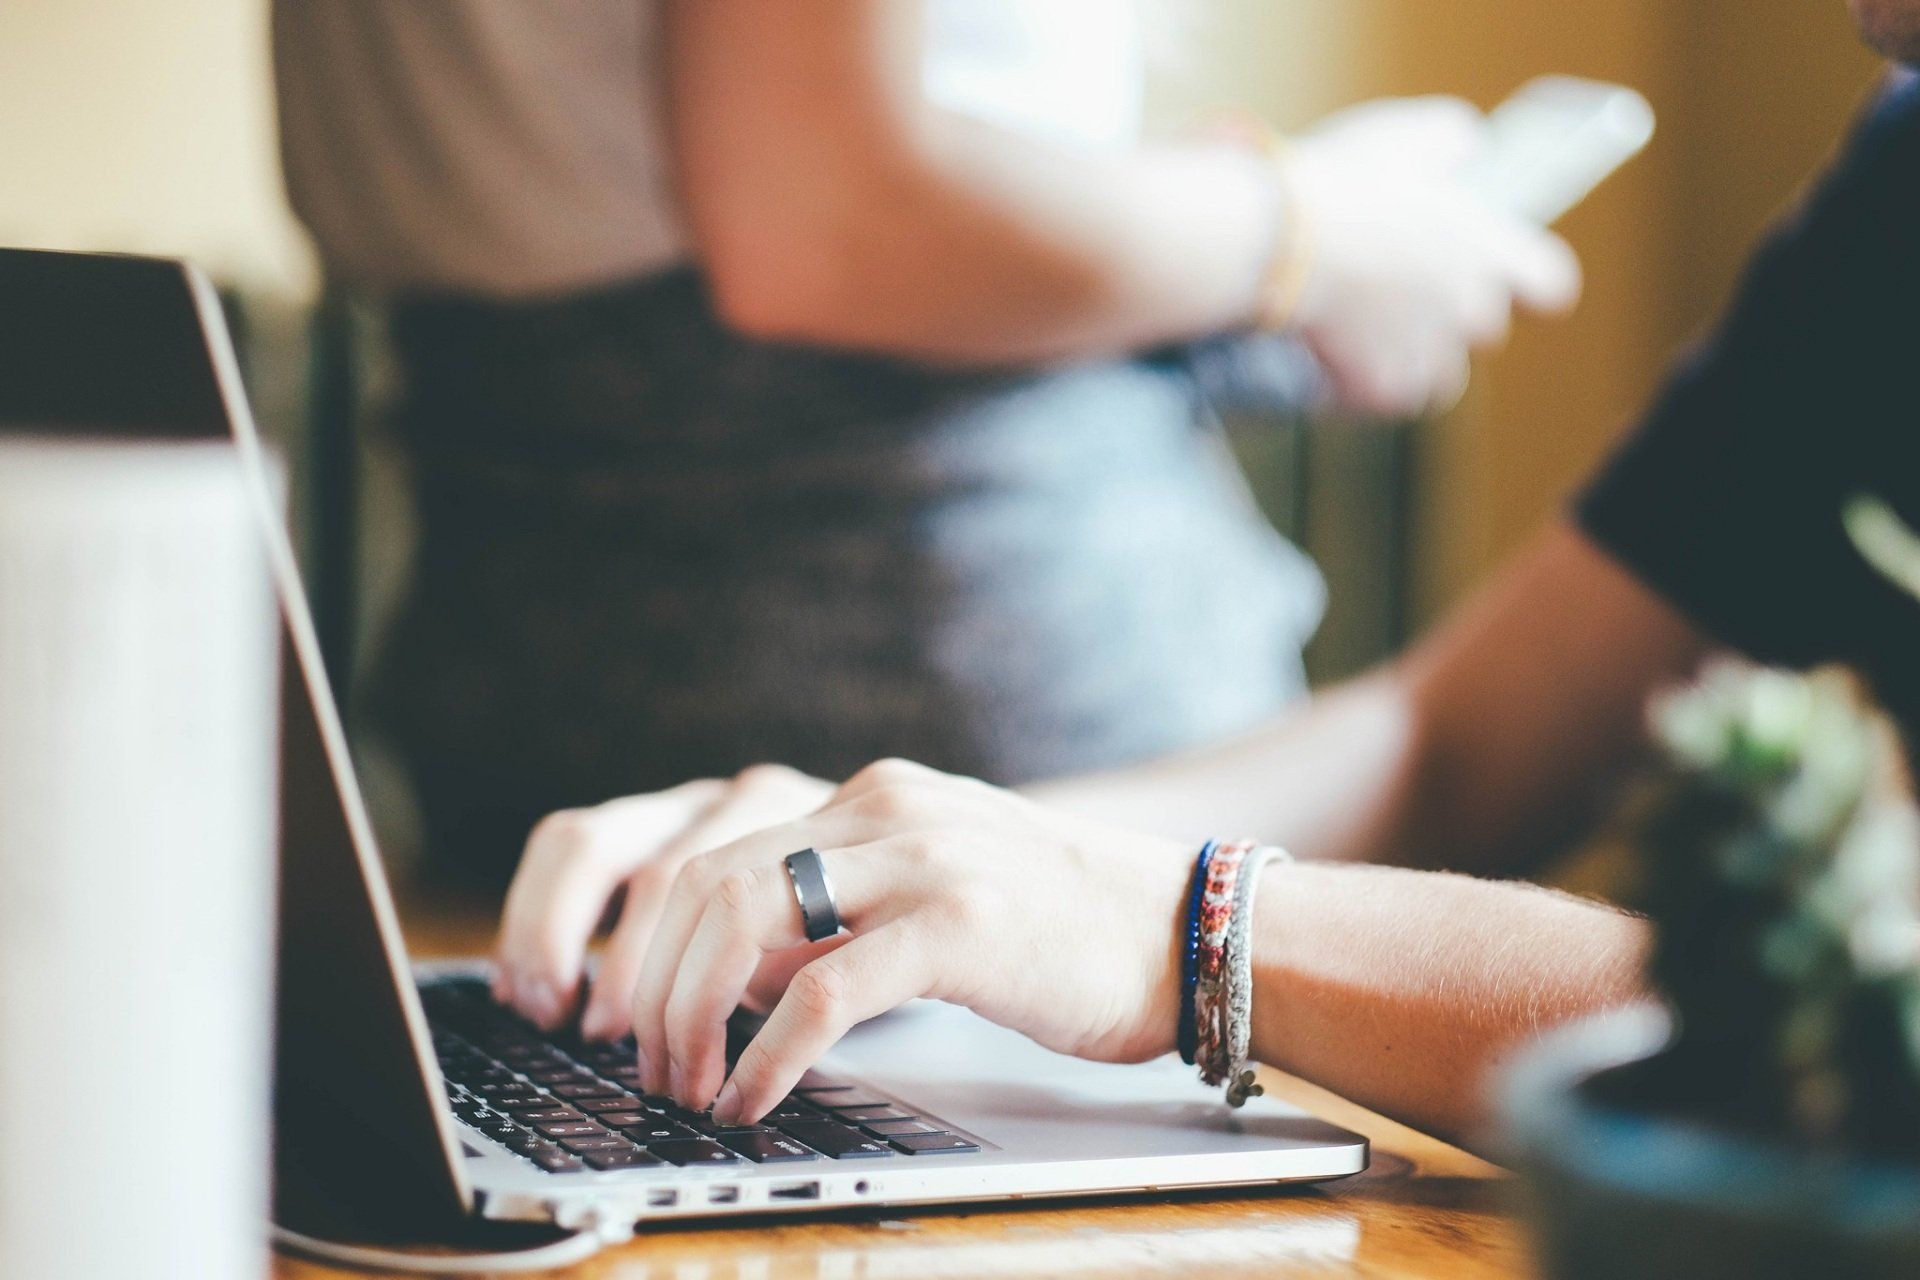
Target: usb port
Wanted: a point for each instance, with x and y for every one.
(794, 1191)
(723, 1195)
(662, 1198)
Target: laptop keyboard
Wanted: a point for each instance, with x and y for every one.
(570, 1106)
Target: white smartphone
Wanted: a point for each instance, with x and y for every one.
(1554, 141)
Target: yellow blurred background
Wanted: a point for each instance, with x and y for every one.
(148, 127)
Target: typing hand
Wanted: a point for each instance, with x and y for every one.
(578, 860)
(1410, 269)
(948, 888)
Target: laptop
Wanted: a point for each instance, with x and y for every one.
(404, 1096)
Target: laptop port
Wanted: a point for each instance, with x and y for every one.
(662, 1198)
(723, 1195)
(794, 1191)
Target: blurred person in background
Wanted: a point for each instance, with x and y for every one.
(816, 382)
(1717, 526)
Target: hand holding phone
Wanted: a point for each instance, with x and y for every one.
(1557, 138)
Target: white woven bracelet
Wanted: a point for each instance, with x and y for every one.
(1241, 1084)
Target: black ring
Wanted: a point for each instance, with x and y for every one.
(814, 894)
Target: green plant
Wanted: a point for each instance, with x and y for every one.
(1780, 864)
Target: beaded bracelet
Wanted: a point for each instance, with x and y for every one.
(1222, 990)
(1186, 1033)
(1216, 914)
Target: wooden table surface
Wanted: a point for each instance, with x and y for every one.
(1424, 1209)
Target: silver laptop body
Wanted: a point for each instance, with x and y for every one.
(363, 1114)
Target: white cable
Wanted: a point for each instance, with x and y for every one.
(561, 1253)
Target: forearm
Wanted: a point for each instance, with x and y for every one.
(1493, 742)
(831, 202)
(1402, 990)
(1337, 779)
(987, 247)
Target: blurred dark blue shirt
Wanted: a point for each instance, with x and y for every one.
(1727, 499)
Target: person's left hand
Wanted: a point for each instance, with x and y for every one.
(949, 888)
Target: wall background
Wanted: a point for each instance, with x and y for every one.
(147, 126)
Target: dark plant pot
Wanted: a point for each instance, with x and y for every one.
(1612, 1193)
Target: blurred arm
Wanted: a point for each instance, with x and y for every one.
(1491, 741)
(832, 204)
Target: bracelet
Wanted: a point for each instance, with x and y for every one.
(1185, 1033)
(1241, 1082)
(1217, 1001)
(1283, 278)
(1216, 916)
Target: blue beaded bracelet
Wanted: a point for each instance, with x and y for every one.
(1187, 1034)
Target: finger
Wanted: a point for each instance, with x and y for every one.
(695, 884)
(1452, 370)
(1438, 133)
(776, 970)
(1486, 316)
(1544, 272)
(871, 974)
(752, 794)
(751, 914)
(574, 861)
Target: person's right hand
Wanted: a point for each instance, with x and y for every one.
(1409, 268)
(578, 861)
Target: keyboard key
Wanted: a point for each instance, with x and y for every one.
(927, 1144)
(600, 1142)
(693, 1151)
(863, 1115)
(838, 1141)
(524, 1100)
(561, 1072)
(547, 1112)
(578, 1090)
(851, 1100)
(894, 1128)
(508, 1088)
(631, 1158)
(569, 1128)
(767, 1147)
(656, 1129)
(811, 1079)
(820, 1092)
(500, 1130)
(473, 1076)
(606, 1102)
(623, 1119)
(527, 1054)
(555, 1161)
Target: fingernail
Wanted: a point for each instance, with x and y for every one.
(675, 1078)
(540, 1002)
(725, 1106)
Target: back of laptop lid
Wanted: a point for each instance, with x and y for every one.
(109, 345)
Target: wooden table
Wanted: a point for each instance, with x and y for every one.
(1424, 1209)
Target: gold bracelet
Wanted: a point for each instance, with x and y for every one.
(1285, 278)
